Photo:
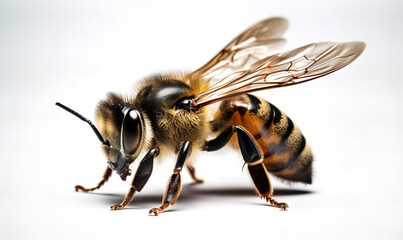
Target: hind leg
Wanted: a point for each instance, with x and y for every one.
(253, 157)
(261, 179)
(258, 172)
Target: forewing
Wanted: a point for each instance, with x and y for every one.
(293, 67)
(256, 43)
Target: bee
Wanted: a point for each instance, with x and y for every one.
(173, 113)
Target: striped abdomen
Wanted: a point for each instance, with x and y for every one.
(286, 152)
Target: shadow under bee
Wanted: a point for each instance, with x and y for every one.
(192, 193)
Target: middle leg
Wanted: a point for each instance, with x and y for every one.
(192, 172)
(174, 186)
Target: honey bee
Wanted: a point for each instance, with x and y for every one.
(173, 113)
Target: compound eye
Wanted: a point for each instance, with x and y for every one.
(131, 133)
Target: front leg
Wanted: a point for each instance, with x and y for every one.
(174, 186)
(105, 177)
(140, 179)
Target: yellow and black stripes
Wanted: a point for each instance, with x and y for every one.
(286, 153)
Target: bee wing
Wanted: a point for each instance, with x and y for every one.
(279, 70)
(254, 44)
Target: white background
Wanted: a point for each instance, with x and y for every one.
(76, 51)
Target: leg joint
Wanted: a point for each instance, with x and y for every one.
(249, 149)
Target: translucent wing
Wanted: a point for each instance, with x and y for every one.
(256, 43)
(284, 69)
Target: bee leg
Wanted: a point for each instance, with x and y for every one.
(140, 179)
(260, 177)
(174, 185)
(192, 171)
(249, 149)
(105, 177)
(252, 156)
(258, 172)
(220, 141)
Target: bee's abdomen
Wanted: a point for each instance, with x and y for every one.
(286, 152)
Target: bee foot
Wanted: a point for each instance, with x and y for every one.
(116, 207)
(198, 180)
(282, 205)
(274, 203)
(155, 211)
(79, 187)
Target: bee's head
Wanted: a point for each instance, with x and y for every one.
(122, 125)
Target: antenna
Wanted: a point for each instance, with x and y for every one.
(106, 143)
